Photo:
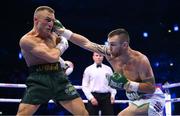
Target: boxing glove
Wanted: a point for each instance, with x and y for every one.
(58, 24)
(63, 45)
(117, 81)
(67, 66)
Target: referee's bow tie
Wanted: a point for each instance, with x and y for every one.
(98, 65)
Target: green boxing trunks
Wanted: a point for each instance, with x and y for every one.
(48, 81)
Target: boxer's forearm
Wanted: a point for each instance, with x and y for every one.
(147, 85)
(79, 39)
(50, 55)
(146, 88)
(88, 45)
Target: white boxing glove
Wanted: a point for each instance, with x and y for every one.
(62, 62)
(69, 68)
(63, 45)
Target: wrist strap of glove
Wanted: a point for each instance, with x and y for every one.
(68, 71)
(62, 62)
(67, 34)
(132, 86)
(61, 48)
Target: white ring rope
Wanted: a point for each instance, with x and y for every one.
(5, 85)
(85, 101)
(166, 86)
(51, 101)
(173, 100)
(8, 85)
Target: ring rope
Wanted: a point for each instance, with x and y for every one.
(85, 101)
(8, 85)
(51, 101)
(166, 86)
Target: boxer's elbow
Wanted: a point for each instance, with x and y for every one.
(52, 57)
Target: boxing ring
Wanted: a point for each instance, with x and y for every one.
(166, 88)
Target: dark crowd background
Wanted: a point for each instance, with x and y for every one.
(153, 27)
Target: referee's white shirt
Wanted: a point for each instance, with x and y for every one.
(94, 80)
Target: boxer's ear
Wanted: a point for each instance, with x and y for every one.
(35, 18)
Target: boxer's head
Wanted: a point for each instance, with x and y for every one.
(44, 19)
(118, 41)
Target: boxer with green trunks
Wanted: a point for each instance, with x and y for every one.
(48, 81)
(41, 48)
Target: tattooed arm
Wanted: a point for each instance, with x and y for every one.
(86, 44)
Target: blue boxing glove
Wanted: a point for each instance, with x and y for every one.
(117, 81)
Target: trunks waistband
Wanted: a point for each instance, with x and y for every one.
(49, 67)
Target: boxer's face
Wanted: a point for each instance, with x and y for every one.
(45, 22)
(118, 44)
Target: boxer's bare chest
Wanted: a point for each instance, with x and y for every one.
(33, 60)
(130, 68)
(49, 41)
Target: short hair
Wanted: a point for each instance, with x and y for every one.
(119, 32)
(41, 8)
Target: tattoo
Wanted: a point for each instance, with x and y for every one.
(101, 49)
(150, 80)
